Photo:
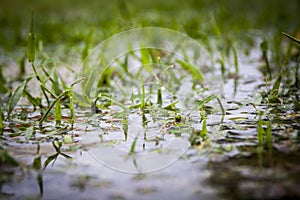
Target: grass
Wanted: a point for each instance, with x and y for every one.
(56, 37)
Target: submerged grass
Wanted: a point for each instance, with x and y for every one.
(202, 20)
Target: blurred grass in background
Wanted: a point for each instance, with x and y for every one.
(68, 22)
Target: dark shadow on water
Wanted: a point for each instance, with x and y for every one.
(243, 177)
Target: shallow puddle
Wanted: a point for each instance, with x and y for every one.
(152, 156)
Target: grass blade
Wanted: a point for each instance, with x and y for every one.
(206, 100)
(50, 159)
(113, 101)
(37, 164)
(132, 149)
(273, 96)
(236, 60)
(196, 73)
(159, 96)
(30, 45)
(37, 102)
(51, 106)
(13, 101)
(55, 83)
(291, 38)
(58, 115)
(1, 120)
(203, 132)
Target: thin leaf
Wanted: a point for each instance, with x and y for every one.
(236, 61)
(114, 101)
(206, 100)
(1, 120)
(77, 81)
(34, 101)
(196, 73)
(273, 96)
(66, 156)
(40, 183)
(132, 149)
(145, 58)
(50, 159)
(277, 82)
(45, 115)
(125, 125)
(291, 37)
(30, 45)
(203, 132)
(159, 96)
(57, 146)
(58, 115)
(171, 106)
(55, 84)
(13, 101)
(37, 164)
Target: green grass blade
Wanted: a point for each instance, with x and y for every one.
(277, 82)
(34, 101)
(45, 115)
(196, 73)
(1, 120)
(37, 163)
(291, 38)
(114, 101)
(264, 47)
(273, 96)
(145, 59)
(40, 183)
(236, 60)
(30, 45)
(132, 149)
(203, 132)
(58, 115)
(125, 125)
(55, 83)
(50, 159)
(159, 96)
(13, 101)
(206, 100)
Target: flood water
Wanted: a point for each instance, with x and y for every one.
(231, 168)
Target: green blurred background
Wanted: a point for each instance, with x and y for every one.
(69, 21)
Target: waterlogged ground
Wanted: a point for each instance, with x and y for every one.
(97, 159)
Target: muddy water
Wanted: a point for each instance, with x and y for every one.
(232, 169)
